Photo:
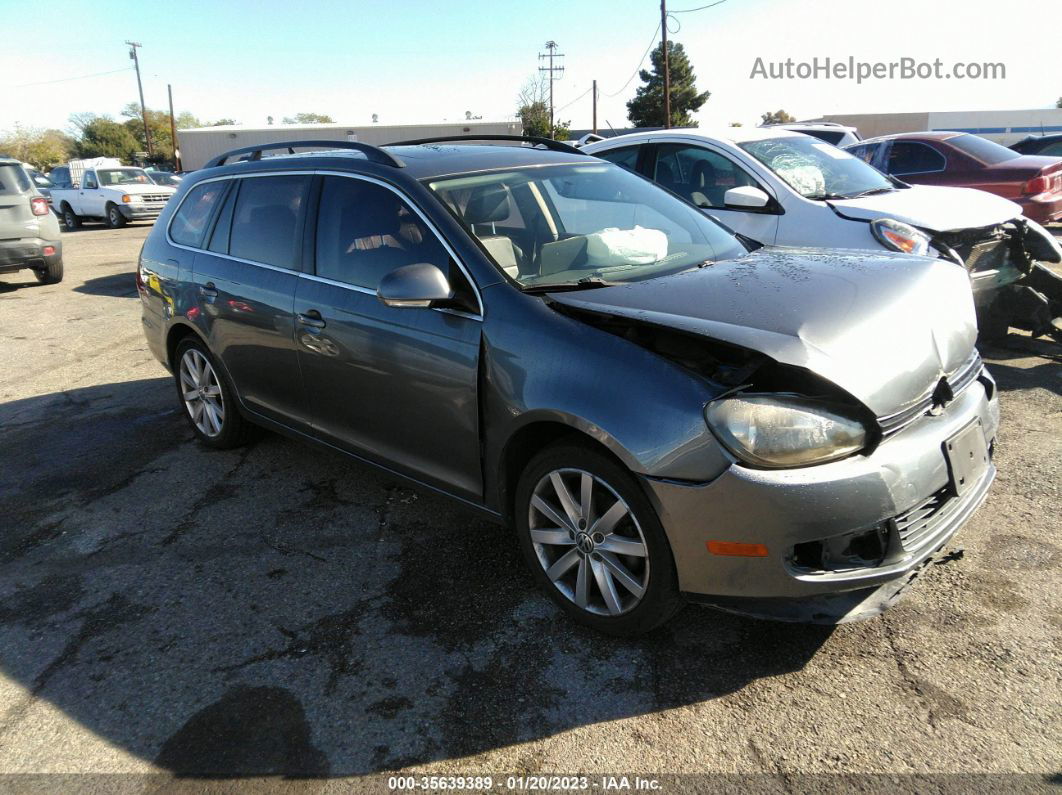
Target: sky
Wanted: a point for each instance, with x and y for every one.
(422, 61)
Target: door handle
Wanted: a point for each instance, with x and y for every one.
(312, 319)
(208, 290)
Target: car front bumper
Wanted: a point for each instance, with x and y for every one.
(142, 211)
(902, 490)
(28, 252)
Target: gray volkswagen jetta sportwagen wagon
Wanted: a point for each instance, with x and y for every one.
(662, 410)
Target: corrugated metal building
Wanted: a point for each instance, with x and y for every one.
(1003, 126)
(200, 145)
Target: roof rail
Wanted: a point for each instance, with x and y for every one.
(549, 143)
(373, 153)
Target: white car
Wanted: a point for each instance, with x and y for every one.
(785, 188)
(828, 131)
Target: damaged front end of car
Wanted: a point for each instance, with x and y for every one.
(1012, 282)
(857, 419)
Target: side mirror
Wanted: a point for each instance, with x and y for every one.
(419, 285)
(746, 198)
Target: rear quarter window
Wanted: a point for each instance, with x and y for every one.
(13, 180)
(190, 222)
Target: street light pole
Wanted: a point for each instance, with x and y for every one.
(140, 86)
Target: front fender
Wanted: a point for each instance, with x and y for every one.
(542, 366)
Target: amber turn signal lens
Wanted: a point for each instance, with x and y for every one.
(737, 549)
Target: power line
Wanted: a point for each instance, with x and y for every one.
(562, 107)
(67, 79)
(640, 62)
(699, 8)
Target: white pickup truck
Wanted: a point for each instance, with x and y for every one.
(102, 188)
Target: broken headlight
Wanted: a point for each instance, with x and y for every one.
(784, 431)
(899, 236)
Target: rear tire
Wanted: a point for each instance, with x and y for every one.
(50, 274)
(115, 219)
(207, 399)
(71, 220)
(610, 566)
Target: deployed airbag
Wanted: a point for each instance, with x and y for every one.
(638, 246)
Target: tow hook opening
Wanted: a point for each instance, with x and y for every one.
(860, 549)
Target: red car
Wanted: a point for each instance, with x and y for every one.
(964, 160)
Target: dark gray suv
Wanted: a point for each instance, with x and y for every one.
(663, 410)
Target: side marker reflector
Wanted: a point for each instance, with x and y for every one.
(737, 549)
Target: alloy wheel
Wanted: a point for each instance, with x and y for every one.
(588, 542)
(201, 392)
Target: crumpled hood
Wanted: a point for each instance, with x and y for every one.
(883, 327)
(138, 188)
(938, 209)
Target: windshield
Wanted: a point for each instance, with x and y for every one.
(163, 178)
(123, 176)
(988, 152)
(582, 225)
(817, 170)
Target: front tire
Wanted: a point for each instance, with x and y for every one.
(71, 220)
(115, 219)
(207, 398)
(594, 542)
(51, 273)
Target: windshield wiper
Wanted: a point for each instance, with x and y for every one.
(586, 283)
(871, 192)
(818, 197)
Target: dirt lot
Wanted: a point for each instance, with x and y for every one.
(281, 611)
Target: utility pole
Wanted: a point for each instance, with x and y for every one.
(143, 110)
(173, 132)
(552, 70)
(667, 70)
(595, 107)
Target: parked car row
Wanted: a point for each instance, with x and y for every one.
(783, 187)
(665, 410)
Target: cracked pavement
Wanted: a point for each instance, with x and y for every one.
(278, 610)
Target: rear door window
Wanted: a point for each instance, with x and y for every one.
(267, 220)
(13, 180)
(910, 157)
(190, 222)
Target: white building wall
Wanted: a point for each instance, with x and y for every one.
(1002, 126)
(200, 145)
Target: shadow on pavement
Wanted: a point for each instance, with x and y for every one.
(117, 285)
(278, 610)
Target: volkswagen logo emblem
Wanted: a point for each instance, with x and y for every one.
(585, 543)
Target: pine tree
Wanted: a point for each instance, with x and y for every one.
(647, 107)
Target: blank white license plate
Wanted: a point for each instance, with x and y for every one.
(967, 454)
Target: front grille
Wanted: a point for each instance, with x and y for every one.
(155, 197)
(920, 523)
(958, 380)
